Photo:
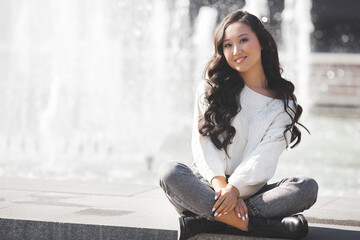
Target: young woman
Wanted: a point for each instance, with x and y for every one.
(246, 115)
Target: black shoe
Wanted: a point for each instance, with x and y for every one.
(189, 226)
(289, 227)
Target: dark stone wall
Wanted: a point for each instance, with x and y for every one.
(337, 26)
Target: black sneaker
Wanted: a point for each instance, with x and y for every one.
(189, 226)
(293, 227)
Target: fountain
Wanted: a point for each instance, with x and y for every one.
(98, 82)
(296, 27)
(258, 8)
(203, 39)
(103, 91)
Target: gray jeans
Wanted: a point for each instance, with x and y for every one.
(188, 191)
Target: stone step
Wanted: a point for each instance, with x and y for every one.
(48, 209)
(13, 229)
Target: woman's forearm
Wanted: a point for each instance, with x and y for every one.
(218, 183)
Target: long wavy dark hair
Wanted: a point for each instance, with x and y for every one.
(226, 85)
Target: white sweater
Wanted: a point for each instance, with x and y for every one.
(255, 148)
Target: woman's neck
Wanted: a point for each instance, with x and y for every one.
(255, 79)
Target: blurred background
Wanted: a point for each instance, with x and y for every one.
(103, 91)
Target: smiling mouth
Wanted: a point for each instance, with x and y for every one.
(239, 60)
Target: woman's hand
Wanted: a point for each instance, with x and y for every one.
(226, 201)
(241, 209)
(218, 183)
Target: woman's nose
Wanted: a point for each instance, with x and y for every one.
(237, 49)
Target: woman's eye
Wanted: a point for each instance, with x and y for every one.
(227, 45)
(243, 40)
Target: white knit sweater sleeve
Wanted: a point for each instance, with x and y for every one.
(208, 159)
(259, 165)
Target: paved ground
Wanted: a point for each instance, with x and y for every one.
(39, 209)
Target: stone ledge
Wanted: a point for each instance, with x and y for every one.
(316, 232)
(36, 210)
(11, 229)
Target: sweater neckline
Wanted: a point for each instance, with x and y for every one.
(250, 96)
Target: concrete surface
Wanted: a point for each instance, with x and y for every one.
(48, 209)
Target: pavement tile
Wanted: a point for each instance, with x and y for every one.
(37, 212)
(89, 188)
(352, 204)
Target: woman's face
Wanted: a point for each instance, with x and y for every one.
(241, 48)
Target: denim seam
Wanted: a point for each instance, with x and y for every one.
(252, 207)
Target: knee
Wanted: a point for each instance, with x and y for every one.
(170, 172)
(314, 188)
(309, 189)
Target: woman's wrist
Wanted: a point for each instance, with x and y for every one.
(218, 182)
(233, 188)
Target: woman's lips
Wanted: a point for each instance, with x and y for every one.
(240, 60)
